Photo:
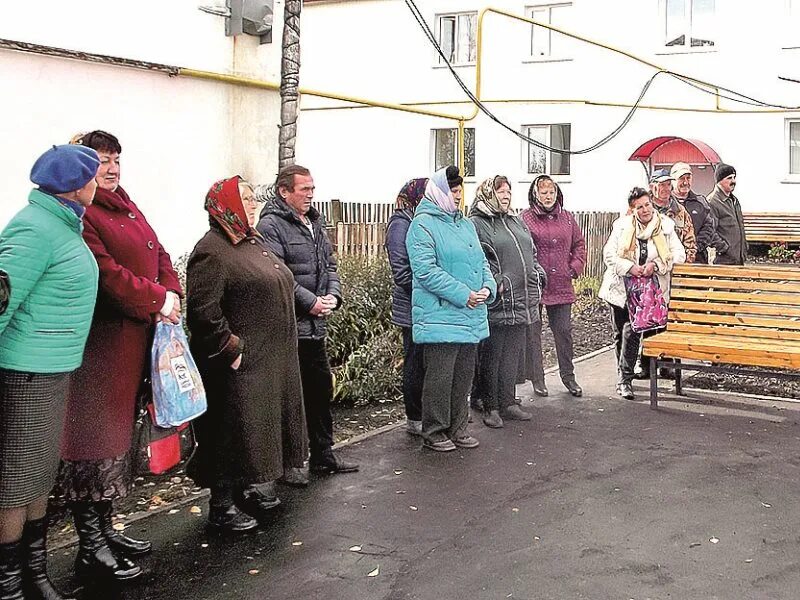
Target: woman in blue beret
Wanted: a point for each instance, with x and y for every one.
(51, 285)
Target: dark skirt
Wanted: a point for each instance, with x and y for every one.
(31, 429)
(95, 480)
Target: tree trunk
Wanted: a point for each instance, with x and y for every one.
(290, 82)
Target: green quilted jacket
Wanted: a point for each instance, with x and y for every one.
(53, 279)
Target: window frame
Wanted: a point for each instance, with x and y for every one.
(435, 167)
(440, 63)
(548, 154)
(790, 176)
(549, 57)
(685, 48)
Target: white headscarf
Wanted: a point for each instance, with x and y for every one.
(438, 192)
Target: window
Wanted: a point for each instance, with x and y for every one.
(541, 161)
(689, 23)
(544, 42)
(458, 38)
(445, 149)
(794, 147)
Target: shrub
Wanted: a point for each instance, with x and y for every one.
(780, 252)
(587, 286)
(365, 349)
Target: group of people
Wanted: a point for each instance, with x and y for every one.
(83, 280)
(664, 226)
(469, 294)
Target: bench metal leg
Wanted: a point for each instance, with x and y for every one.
(678, 382)
(653, 383)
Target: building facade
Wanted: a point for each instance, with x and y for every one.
(178, 134)
(561, 91)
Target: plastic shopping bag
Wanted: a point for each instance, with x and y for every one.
(647, 307)
(178, 393)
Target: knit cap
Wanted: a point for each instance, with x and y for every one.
(723, 171)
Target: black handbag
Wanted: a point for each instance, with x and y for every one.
(158, 450)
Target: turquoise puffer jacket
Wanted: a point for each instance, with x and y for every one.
(53, 279)
(447, 262)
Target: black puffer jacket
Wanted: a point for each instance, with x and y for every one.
(520, 278)
(310, 259)
(396, 232)
(705, 228)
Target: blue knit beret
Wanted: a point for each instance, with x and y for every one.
(65, 168)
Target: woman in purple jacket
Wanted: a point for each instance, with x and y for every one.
(562, 253)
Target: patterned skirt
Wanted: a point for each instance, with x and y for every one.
(31, 425)
(95, 480)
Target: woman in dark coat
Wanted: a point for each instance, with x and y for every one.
(413, 365)
(562, 254)
(240, 312)
(138, 286)
(520, 279)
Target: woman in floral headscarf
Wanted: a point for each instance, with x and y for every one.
(254, 430)
(520, 279)
(413, 368)
(451, 285)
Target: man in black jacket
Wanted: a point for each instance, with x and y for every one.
(294, 231)
(698, 208)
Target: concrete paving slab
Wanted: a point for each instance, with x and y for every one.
(596, 498)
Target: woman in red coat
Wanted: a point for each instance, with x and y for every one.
(137, 287)
(562, 254)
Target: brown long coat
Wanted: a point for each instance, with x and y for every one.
(241, 299)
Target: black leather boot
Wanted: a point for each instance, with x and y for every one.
(224, 516)
(36, 583)
(11, 571)
(127, 546)
(95, 559)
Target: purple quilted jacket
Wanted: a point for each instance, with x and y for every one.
(561, 247)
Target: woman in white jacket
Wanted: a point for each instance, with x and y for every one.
(642, 243)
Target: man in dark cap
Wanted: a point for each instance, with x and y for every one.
(731, 246)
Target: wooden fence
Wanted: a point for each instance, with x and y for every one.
(359, 229)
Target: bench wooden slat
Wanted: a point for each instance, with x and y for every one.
(734, 308)
(772, 227)
(728, 330)
(730, 284)
(769, 272)
(724, 350)
(688, 294)
(693, 317)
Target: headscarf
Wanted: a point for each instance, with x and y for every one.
(533, 196)
(486, 200)
(412, 193)
(636, 230)
(438, 191)
(224, 206)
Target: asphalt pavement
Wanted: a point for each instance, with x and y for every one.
(596, 498)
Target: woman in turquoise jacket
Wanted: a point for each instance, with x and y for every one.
(451, 285)
(52, 278)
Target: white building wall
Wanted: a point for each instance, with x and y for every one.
(375, 49)
(178, 135)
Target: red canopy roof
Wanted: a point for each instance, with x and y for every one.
(671, 149)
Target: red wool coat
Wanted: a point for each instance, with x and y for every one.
(562, 250)
(135, 275)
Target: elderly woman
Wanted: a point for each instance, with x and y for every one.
(138, 286)
(642, 243)
(413, 368)
(49, 286)
(451, 285)
(562, 253)
(240, 311)
(520, 279)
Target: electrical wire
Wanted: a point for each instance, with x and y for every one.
(705, 87)
(485, 110)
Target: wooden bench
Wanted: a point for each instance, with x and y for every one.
(741, 319)
(772, 227)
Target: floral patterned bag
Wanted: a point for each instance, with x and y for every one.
(647, 306)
